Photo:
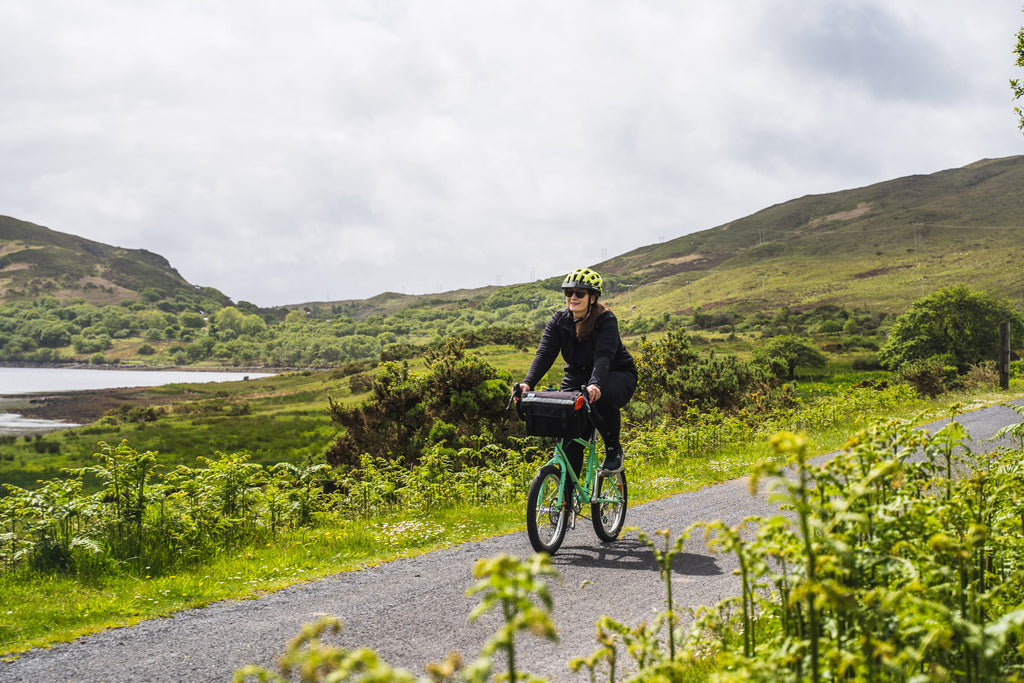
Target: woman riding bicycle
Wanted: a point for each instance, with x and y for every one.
(586, 333)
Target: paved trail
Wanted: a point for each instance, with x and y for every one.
(415, 611)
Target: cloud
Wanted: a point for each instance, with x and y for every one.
(289, 153)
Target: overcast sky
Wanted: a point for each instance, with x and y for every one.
(297, 151)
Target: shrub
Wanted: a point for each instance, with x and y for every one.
(127, 413)
(399, 351)
(929, 377)
(360, 384)
(459, 389)
(43, 446)
(781, 356)
(981, 376)
(674, 378)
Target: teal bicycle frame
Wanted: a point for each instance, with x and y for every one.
(553, 505)
(589, 472)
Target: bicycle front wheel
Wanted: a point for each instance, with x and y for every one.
(546, 519)
(609, 507)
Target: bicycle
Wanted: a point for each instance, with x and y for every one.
(557, 496)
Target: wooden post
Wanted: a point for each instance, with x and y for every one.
(1004, 355)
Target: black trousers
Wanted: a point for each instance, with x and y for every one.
(616, 392)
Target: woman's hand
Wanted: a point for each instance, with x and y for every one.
(594, 393)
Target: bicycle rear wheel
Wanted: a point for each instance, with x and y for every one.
(608, 511)
(546, 520)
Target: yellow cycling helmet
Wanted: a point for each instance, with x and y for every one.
(583, 278)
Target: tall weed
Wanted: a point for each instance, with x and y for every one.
(898, 561)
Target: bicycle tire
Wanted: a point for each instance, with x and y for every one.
(609, 517)
(546, 522)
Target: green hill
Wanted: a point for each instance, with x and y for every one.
(39, 262)
(877, 247)
(880, 246)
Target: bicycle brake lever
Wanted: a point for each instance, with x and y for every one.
(586, 397)
(517, 392)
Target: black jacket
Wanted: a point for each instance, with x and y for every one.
(586, 362)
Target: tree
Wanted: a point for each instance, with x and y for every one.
(783, 355)
(252, 324)
(957, 323)
(192, 320)
(229, 318)
(1018, 89)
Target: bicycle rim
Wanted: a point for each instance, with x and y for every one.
(608, 511)
(545, 518)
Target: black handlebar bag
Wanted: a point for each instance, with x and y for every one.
(561, 414)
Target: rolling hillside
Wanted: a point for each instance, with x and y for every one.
(36, 261)
(877, 247)
(880, 246)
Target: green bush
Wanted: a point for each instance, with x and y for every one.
(674, 378)
(956, 322)
(930, 377)
(781, 356)
(42, 446)
(458, 389)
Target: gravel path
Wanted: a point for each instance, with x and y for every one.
(414, 611)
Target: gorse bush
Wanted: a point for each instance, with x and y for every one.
(929, 376)
(674, 378)
(459, 401)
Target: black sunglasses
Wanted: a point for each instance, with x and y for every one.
(578, 293)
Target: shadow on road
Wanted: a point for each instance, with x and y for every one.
(630, 553)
